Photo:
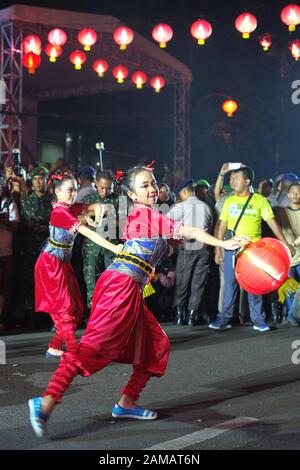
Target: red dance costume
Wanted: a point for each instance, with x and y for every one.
(121, 328)
(56, 287)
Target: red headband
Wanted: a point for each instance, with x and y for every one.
(119, 176)
(59, 177)
(150, 167)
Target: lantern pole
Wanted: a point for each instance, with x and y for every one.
(100, 147)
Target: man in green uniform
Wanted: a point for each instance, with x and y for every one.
(95, 258)
(35, 214)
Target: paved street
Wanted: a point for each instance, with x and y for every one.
(231, 390)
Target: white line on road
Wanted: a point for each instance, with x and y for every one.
(206, 433)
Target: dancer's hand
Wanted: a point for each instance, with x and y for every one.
(235, 243)
(118, 248)
(91, 222)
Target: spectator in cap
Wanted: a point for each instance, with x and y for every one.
(35, 213)
(193, 257)
(96, 258)
(203, 192)
(86, 179)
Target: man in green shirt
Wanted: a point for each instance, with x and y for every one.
(258, 209)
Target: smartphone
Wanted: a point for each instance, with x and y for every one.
(234, 166)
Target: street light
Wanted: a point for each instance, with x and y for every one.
(100, 147)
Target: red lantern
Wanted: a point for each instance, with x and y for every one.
(120, 73)
(123, 36)
(77, 58)
(87, 37)
(32, 43)
(246, 24)
(263, 266)
(162, 33)
(31, 61)
(53, 52)
(290, 15)
(201, 30)
(230, 107)
(266, 42)
(157, 83)
(295, 49)
(57, 37)
(139, 79)
(100, 67)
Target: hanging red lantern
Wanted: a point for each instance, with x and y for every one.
(201, 30)
(246, 23)
(157, 83)
(265, 42)
(57, 37)
(77, 58)
(230, 107)
(87, 37)
(162, 33)
(295, 49)
(31, 61)
(100, 66)
(120, 73)
(53, 52)
(32, 43)
(263, 266)
(123, 36)
(290, 15)
(139, 79)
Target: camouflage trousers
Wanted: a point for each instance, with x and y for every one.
(95, 260)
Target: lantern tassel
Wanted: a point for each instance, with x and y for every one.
(289, 287)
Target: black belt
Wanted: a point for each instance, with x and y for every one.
(60, 245)
(136, 261)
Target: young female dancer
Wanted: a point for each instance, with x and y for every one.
(56, 288)
(120, 327)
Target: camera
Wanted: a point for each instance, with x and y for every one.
(18, 169)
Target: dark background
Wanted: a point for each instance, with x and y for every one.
(265, 131)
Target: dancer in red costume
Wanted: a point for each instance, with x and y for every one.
(56, 288)
(120, 327)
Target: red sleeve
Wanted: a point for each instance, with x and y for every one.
(147, 223)
(62, 217)
(78, 209)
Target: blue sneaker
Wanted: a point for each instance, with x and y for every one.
(38, 418)
(261, 327)
(136, 413)
(49, 355)
(218, 325)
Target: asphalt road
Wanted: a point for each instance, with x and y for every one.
(236, 389)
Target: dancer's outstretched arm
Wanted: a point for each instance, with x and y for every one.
(204, 237)
(94, 237)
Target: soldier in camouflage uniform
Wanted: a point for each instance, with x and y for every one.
(95, 258)
(35, 213)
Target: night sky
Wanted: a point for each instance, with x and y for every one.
(264, 133)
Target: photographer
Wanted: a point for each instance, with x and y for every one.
(9, 220)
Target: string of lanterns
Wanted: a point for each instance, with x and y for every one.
(201, 30)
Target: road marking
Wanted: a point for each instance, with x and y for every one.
(204, 435)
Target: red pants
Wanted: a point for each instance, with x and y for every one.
(65, 324)
(67, 371)
(120, 329)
